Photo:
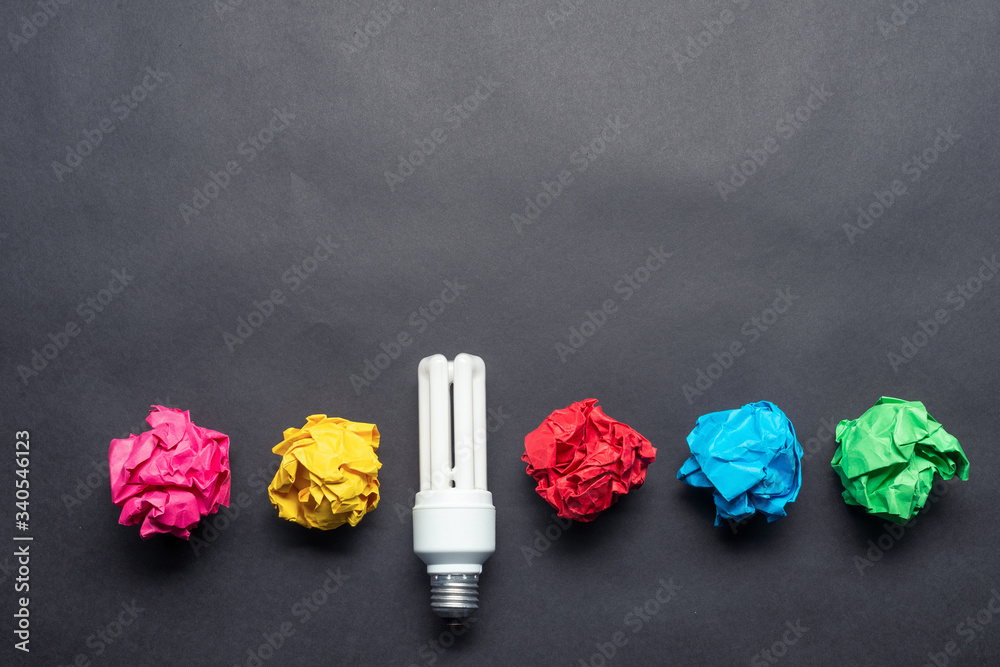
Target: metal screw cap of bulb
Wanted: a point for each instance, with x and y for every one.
(454, 521)
(454, 596)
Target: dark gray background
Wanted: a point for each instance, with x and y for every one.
(355, 114)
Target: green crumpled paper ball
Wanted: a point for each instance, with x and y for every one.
(887, 458)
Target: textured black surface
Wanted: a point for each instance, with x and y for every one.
(679, 117)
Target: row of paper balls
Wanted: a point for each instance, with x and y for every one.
(168, 478)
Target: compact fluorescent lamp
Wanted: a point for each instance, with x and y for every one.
(454, 521)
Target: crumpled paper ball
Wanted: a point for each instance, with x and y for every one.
(584, 460)
(750, 457)
(168, 478)
(328, 474)
(887, 458)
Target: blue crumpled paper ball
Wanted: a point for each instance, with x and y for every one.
(751, 459)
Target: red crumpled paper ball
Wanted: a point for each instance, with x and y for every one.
(169, 477)
(584, 460)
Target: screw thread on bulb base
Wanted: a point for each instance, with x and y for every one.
(454, 595)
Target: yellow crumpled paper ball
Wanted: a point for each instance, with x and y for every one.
(328, 474)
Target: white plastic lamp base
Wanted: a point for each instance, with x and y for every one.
(454, 521)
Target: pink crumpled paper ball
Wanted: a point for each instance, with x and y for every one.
(169, 477)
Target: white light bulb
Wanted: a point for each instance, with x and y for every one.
(454, 521)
